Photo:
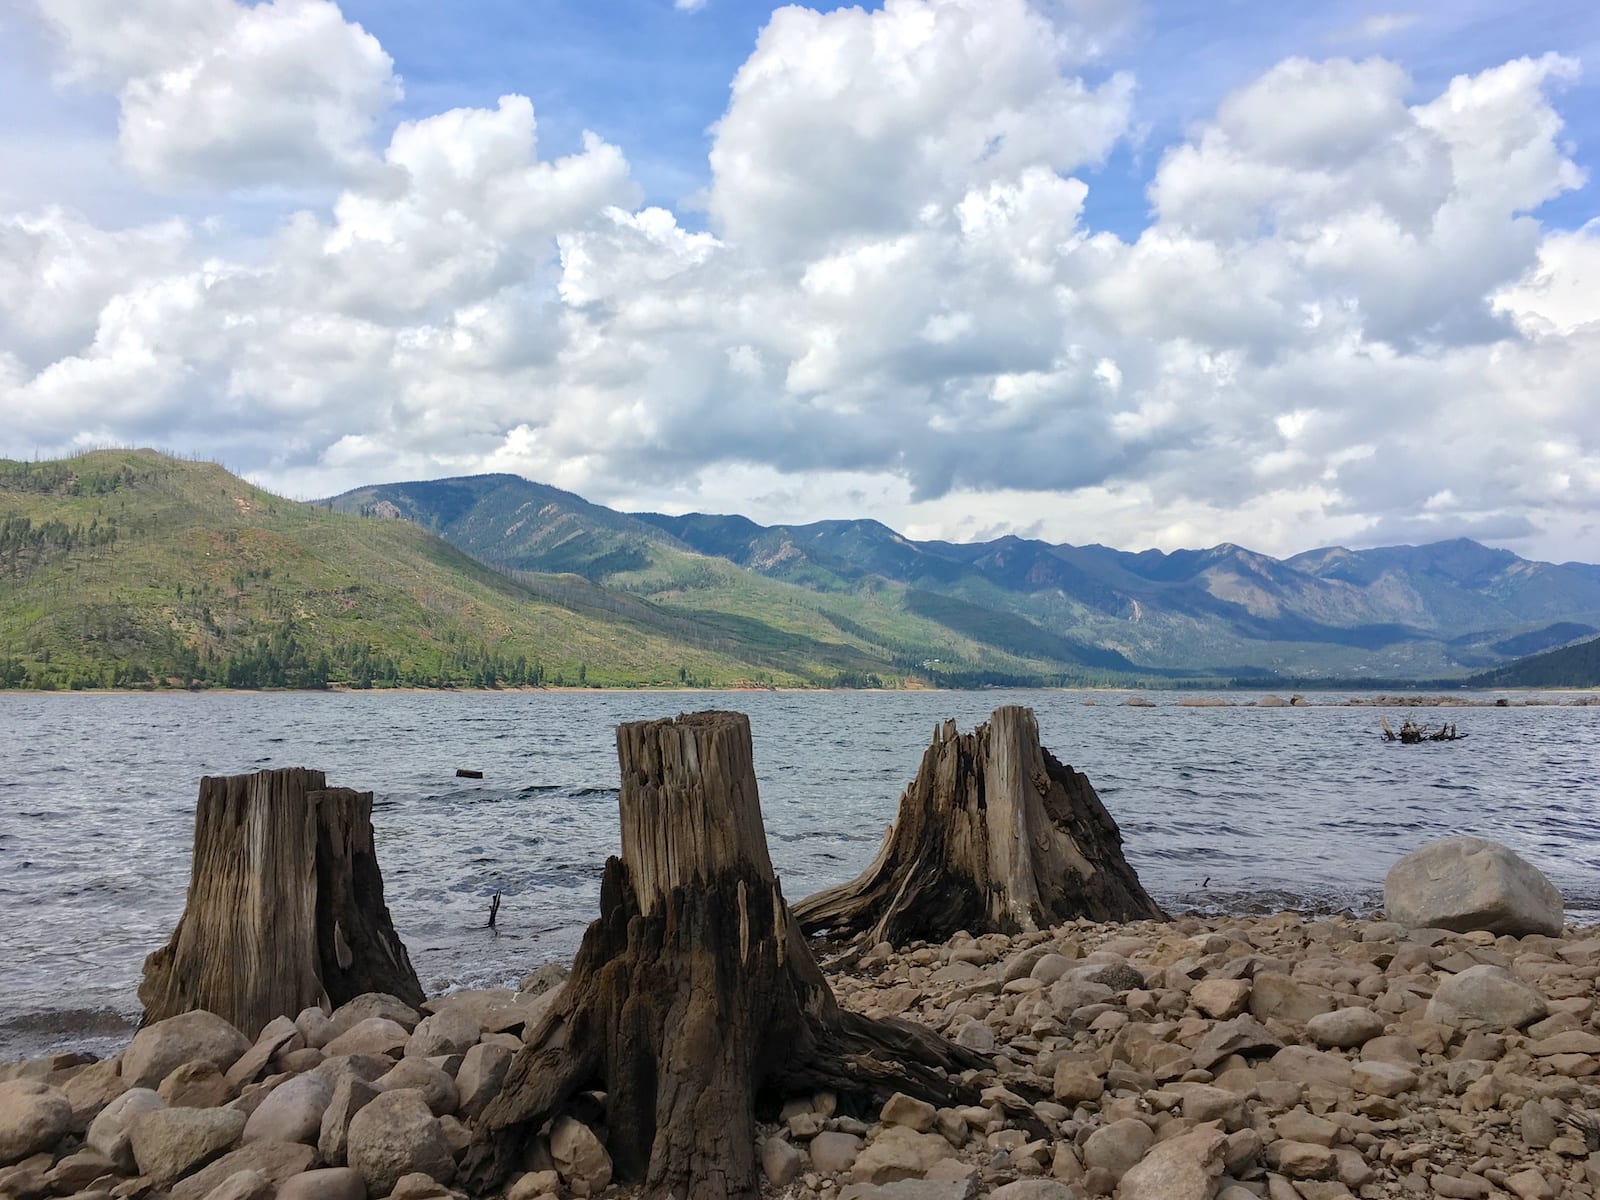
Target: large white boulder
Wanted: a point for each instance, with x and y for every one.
(1467, 883)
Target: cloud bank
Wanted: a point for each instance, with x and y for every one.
(1340, 323)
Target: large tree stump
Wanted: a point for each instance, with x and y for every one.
(993, 836)
(694, 992)
(285, 905)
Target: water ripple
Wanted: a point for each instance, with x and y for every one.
(1222, 809)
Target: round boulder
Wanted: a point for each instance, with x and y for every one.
(396, 1135)
(292, 1112)
(1468, 883)
(33, 1117)
(158, 1050)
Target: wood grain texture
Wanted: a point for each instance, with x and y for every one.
(285, 905)
(695, 993)
(994, 835)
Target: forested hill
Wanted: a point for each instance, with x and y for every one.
(128, 568)
(1569, 667)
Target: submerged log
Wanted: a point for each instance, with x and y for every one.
(694, 992)
(994, 835)
(285, 906)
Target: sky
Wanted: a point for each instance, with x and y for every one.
(1161, 274)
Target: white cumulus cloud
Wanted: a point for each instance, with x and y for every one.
(1342, 320)
(218, 93)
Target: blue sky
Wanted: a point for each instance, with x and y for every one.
(655, 79)
(1164, 273)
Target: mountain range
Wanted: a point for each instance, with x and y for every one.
(131, 568)
(1431, 611)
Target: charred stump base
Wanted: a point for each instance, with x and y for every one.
(694, 992)
(285, 906)
(994, 835)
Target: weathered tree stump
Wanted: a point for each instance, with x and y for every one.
(694, 992)
(285, 905)
(994, 835)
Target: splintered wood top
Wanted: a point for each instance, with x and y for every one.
(689, 806)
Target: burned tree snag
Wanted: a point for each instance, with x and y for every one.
(695, 991)
(993, 836)
(285, 905)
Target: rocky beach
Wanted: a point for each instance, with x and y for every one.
(1191, 1059)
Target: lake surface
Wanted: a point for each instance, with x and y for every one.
(1236, 809)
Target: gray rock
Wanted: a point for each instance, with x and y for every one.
(899, 1152)
(157, 1050)
(316, 1027)
(975, 1035)
(544, 979)
(1242, 1035)
(1312, 1068)
(1539, 1128)
(242, 1185)
(108, 1133)
(372, 1035)
(92, 1088)
(483, 1070)
(169, 1143)
(1221, 998)
(1345, 1028)
(911, 1189)
(834, 1153)
(1467, 883)
(292, 1112)
(901, 1109)
(197, 1085)
(379, 1005)
(1020, 965)
(1051, 967)
(368, 1068)
(437, 1086)
(273, 1161)
(330, 1183)
(1034, 1189)
(350, 1096)
(1487, 994)
(77, 1171)
(781, 1162)
(533, 1185)
(395, 1135)
(1278, 997)
(1185, 1167)
(279, 1033)
(33, 1117)
(448, 1032)
(1118, 1146)
(580, 1157)
(418, 1186)
(1077, 1082)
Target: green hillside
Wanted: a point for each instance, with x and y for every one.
(123, 568)
(130, 568)
(1569, 667)
(858, 625)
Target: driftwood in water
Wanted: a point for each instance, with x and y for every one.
(993, 835)
(1412, 734)
(285, 905)
(695, 990)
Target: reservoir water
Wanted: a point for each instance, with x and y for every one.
(1227, 808)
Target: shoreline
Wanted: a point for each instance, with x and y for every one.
(1277, 1055)
(1575, 697)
